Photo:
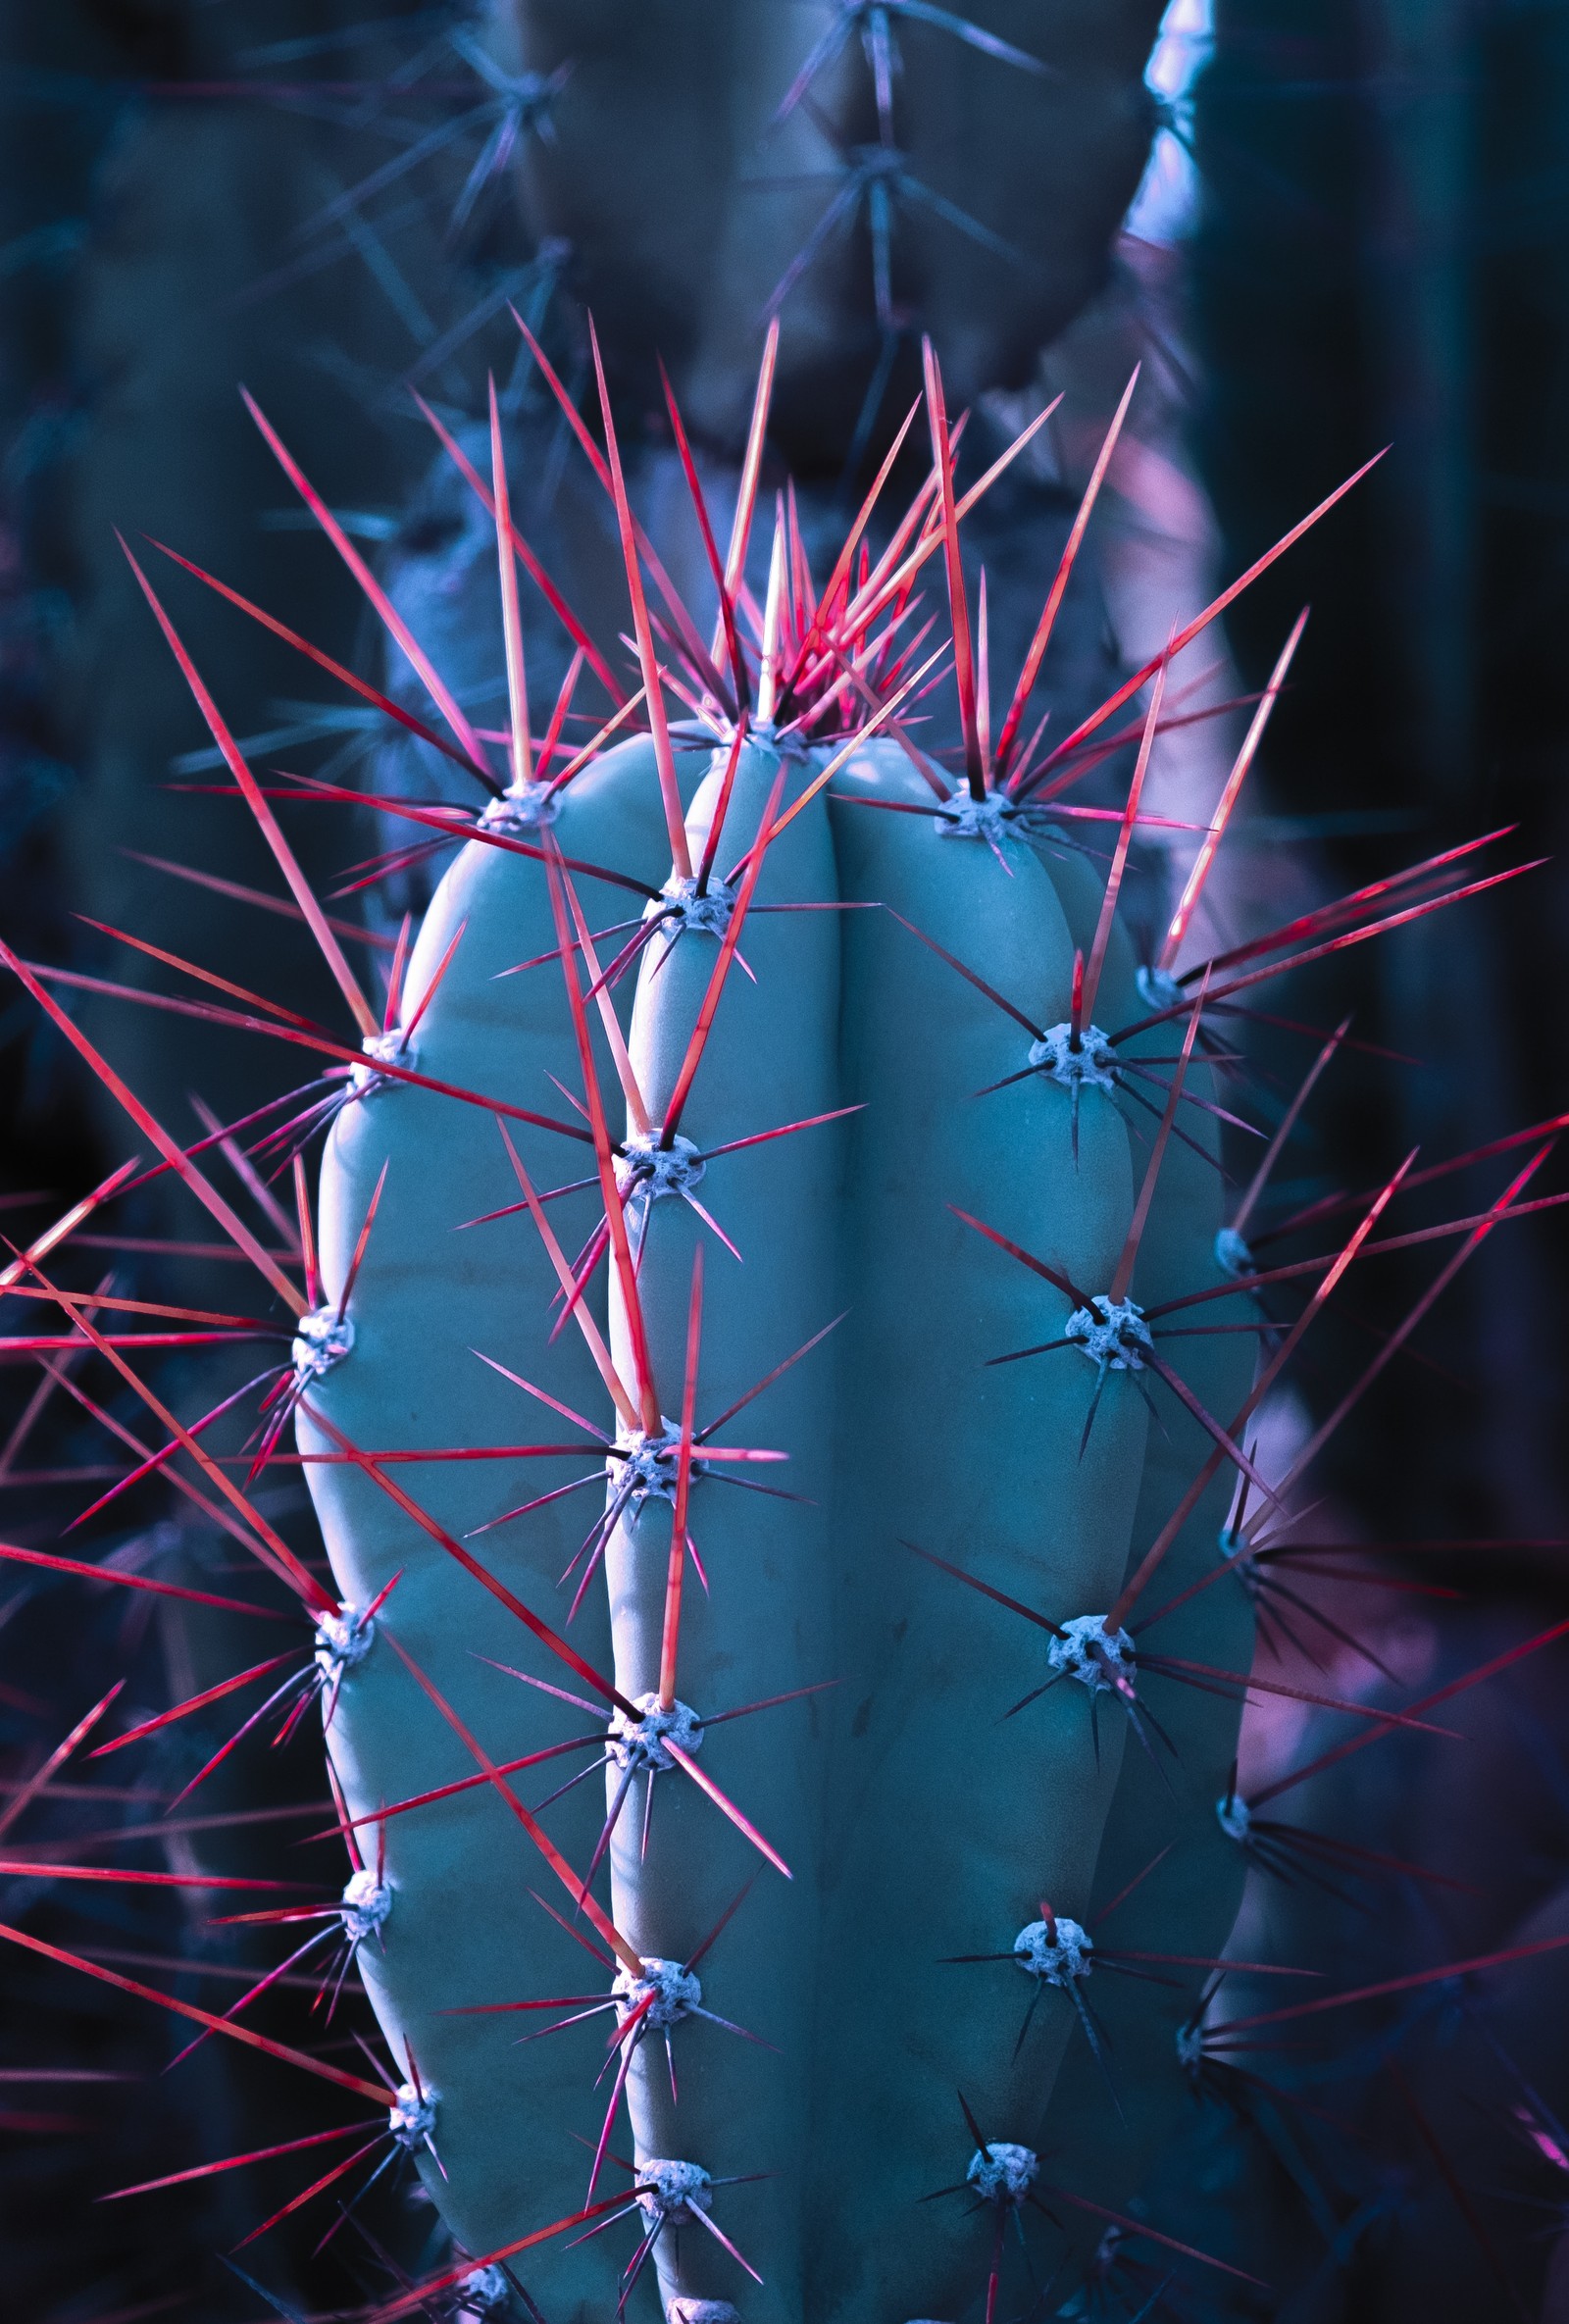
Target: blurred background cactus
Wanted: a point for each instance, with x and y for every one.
(1318, 230)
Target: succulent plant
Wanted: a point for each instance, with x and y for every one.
(875, 167)
(869, 1754)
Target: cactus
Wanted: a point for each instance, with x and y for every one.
(901, 1803)
(873, 170)
(888, 1829)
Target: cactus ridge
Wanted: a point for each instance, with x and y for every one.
(849, 1144)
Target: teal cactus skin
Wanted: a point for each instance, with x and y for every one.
(771, 1058)
(955, 1822)
(923, 1827)
(426, 1296)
